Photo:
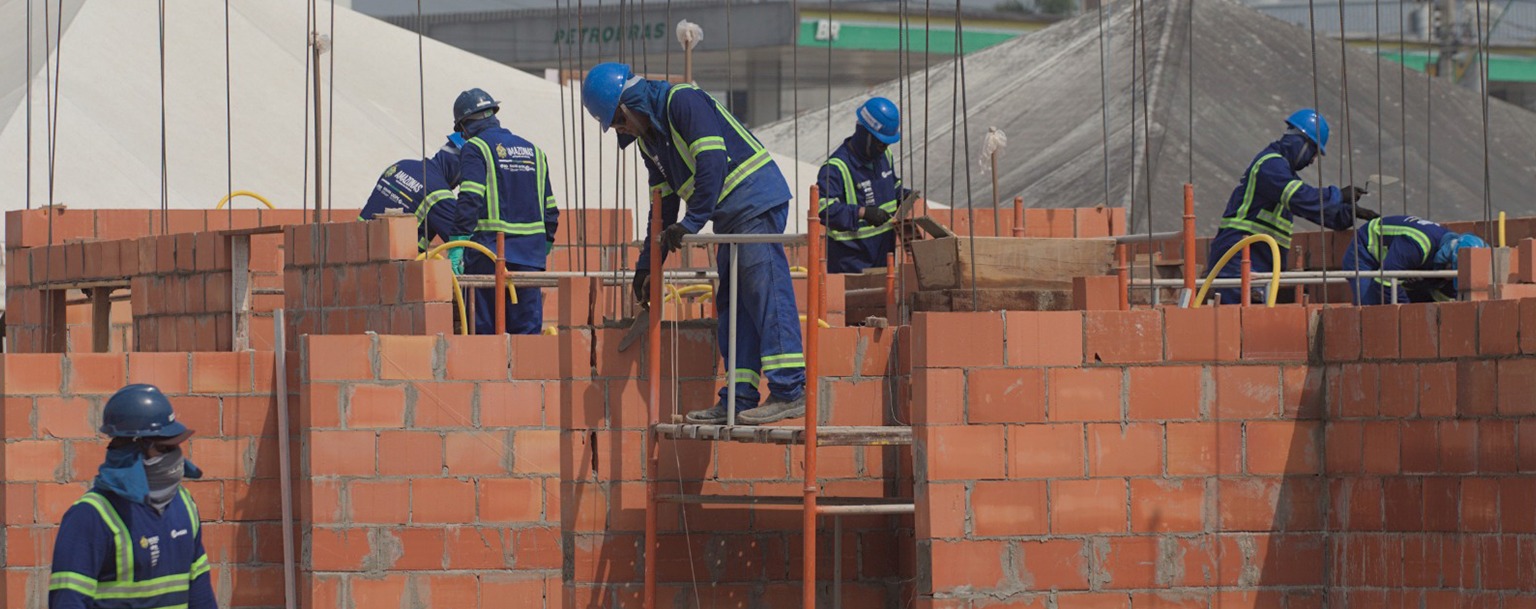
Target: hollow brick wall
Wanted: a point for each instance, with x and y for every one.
(1225, 457)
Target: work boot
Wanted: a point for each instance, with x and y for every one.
(714, 415)
(774, 409)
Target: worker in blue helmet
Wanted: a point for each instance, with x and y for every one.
(860, 191)
(696, 151)
(1405, 243)
(417, 187)
(1271, 193)
(134, 540)
(504, 189)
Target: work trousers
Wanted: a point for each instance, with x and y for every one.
(768, 322)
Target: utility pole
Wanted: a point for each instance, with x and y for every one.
(1448, 35)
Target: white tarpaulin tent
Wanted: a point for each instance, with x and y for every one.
(108, 152)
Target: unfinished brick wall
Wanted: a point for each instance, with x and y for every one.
(430, 472)
(52, 451)
(730, 555)
(355, 277)
(1226, 457)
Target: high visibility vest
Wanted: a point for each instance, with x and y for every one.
(850, 196)
(1265, 221)
(126, 586)
(491, 191)
(738, 170)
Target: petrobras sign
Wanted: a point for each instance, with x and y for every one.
(611, 33)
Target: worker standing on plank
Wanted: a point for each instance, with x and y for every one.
(1405, 243)
(860, 191)
(695, 150)
(418, 187)
(134, 540)
(1271, 192)
(505, 189)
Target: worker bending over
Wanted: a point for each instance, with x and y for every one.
(417, 187)
(1271, 192)
(1405, 243)
(134, 540)
(696, 151)
(505, 189)
(860, 191)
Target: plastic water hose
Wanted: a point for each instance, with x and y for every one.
(1501, 229)
(436, 253)
(820, 322)
(458, 298)
(676, 293)
(244, 193)
(1274, 280)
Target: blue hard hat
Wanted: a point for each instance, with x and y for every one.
(1313, 126)
(140, 411)
(601, 90)
(471, 102)
(881, 117)
(1452, 244)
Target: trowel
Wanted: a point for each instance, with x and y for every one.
(636, 331)
(1380, 180)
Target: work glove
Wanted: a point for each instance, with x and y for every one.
(1352, 193)
(874, 216)
(456, 256)
(1366, 214)
(642, 287)
(672, 238)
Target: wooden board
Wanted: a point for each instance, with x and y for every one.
(993, 299)
(1009, 262)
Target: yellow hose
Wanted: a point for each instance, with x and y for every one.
(798, 269)
(244, 193)
(458, 294)
(1274, 279)
(676, 293)
(820, 322)
(1501, 229)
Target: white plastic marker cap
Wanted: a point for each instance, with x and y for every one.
(995, 142)
(689, 34)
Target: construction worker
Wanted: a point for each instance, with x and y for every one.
(860, 191)
(1271, 192)
(695, 150)
(1405, 243)
(134, 540)
(417, 187)
(505, 189)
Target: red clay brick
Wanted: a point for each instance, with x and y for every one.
(945, 512)
(1458, 446)
(1271, 334)
(1086, 394)
(1379, 329)
(510, 404)
(338, 549)
(536, 548)
(1341, 334)
(1165, 393)
(96, 373)
(475, 548)
(1045, 451)
(1124, 336)
(471, 453)
(536, 452)
(1399, 390)
(536, 358)
(1458, 329)
(967, 565)
(386, 591)
(1044, 338)
(1167, 506)
(1516, 386)
(510, 500)
(1133, 449)
(933, 394)
(964, 453)
(376, 406)
(380, 501)
(1096, 293)
(1246, 392)
(1199, 449)
(1419, 331)
(1203, 334)
(1009, 508)
(1093, 600)
(1437, 389)
(1005, 395)
(944, 340)
(59, 417)
(33, 373)
(420, 549)
(410, 453)
(341, 453)
(1498, 325)
(1382, 447)
(1131, 562)
(1357, 388)
(1496, 447)
(339, 358)
(1088, 506)
(1282, 447)
(443, 405)
(1056, 564)
(406, 357)
(1477, 387)
(440, 500)
(1528, 326)
(33, 460)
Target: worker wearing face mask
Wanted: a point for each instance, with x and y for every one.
(860, 191)
(134, 540)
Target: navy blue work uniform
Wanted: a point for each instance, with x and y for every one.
(849, 182)
(113, 553)
(1269, 195)
(418, 188)
(506, 189)
(700, 153)
(1397, 243)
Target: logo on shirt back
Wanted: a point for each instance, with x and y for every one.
(391, 171)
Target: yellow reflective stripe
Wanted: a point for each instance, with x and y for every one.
(862, 233)
(686, 190)
(492, 192)
(1283, 239)
(75, 582)
(176, 582)
(473, 187)
(523, 228)
(848, 193)
(889, 206)
(197, 520)
(549, 201)
(662, 189)
(124, 544)
(437, 196)
(199, 567)
(742, 375)
(786, 360)
(541, 169)
(758, 161)
(705, 144)
(1290, 189)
